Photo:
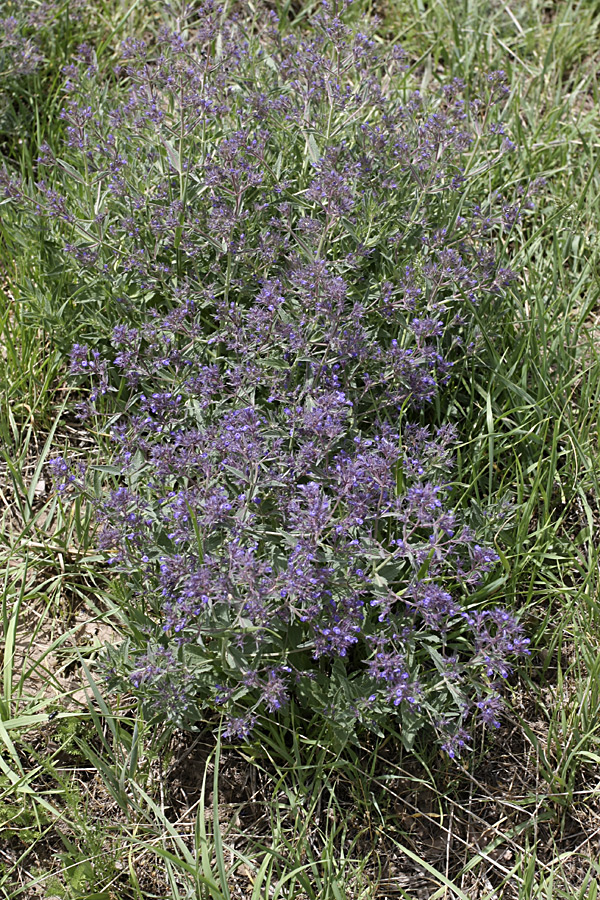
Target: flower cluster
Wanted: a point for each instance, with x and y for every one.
(19, 52)
(36, 36)
(24, 29)
(291, 243)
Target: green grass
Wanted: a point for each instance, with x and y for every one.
(95, 803)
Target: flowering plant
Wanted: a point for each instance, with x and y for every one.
(35, 39)
(294, 243)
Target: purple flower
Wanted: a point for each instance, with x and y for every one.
(489, 709)
(238, 728)
(455, 741)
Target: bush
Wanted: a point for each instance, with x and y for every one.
(290, 245)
